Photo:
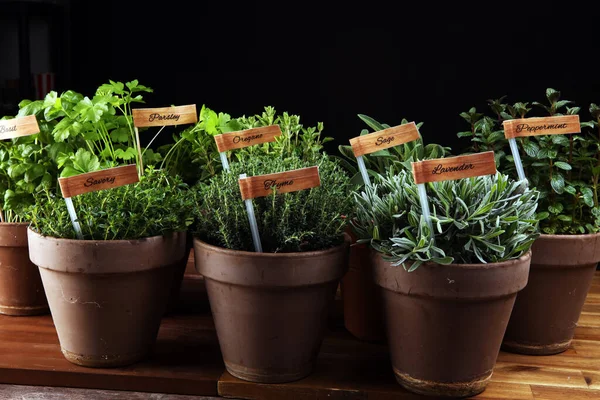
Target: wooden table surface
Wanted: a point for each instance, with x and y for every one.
(186, 360)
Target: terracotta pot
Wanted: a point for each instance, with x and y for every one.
(445, 323)
(361, 297)
(270, 309)
(21, 289)
(106, 297)
(547, 310)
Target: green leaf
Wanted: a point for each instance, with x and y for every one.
(65, 129)
(129, 154)
(588, 196)
(69, 171)
(558, 183)
(376, 126)
(562, 165)
(120, 135)
(85, 161)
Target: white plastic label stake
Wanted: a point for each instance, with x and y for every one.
(73, 216)
(363, 170)
(224, 161)
(252, 220)
(517, 158)
(425, 209)
(556, 125)
(380, 140)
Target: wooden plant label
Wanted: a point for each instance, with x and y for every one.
(541, 126)
(247, 137)
(98, 180)
(384, 139)
(143, 117)
(284, 182)
(445, 169)
(17, 127)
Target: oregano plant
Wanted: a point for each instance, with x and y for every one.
(195, 157)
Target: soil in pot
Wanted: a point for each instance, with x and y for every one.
(270, 309)
(445, 323)
(107, 298)
(21, 289)
(363, 313)
(546, 312)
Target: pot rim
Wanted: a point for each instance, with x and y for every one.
(506, 263)
(14, 224)
(96, 242)
(251, 254)
(576, 236)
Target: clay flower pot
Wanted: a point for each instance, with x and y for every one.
(361, 297)
(107, 298)
(547, 310)
(21, 289)
(270, 309)
(445, 323)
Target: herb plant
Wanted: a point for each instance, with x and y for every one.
(305, 220)
(195, 157)
(394, 159)
(475, 220)
(564, 168)
(156, 205)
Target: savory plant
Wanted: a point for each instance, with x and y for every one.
(394, 159)
(305, 220)
(195, 157)
(156, 205)
(564, 168)
(475, 220)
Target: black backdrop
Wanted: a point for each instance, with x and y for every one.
(422, 62)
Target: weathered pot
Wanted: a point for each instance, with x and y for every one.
(270, 309)
(547, 310)
(107, 298)
(445, 323)
(21, 289)
(361, 297)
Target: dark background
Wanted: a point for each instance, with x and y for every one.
(423, 61)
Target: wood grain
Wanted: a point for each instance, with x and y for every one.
(98, 180)
(384, 139)
(247, 137)
(284, 182)
(24, 392)
(557, 393)
(164, 116)
(186, 360)
(17, 127)
(562, 124)
(444, 169)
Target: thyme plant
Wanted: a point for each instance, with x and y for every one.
(305, 220)
(475, 220)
